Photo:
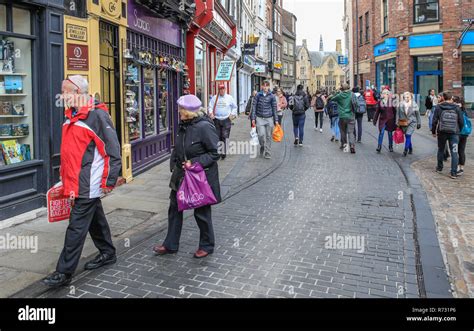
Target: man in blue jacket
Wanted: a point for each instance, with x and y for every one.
(264, 116)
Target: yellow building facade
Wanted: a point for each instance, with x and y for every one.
(326, 73)
(94, 42)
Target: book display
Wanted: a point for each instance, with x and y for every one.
(132, 102)
(15, 100)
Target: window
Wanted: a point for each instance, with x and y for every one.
(277, 26)
(16, 87)
(302, 71)
(291, 50)
(200, 68)
(367, 27)
(291, 71)
(285, 68)
(149, 83)
(361, 30)
(384, 16)
(285, 48)
(426, 11)
(163, 100)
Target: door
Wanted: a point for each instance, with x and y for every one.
(110, 73)
(424, 81)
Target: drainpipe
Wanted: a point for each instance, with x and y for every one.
(357, 42)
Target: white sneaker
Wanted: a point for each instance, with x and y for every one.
(321, 130)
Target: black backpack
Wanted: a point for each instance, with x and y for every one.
(319, 103)
(298, 105)
(332, 109)
(448, 121)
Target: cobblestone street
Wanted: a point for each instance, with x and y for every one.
(273, 237)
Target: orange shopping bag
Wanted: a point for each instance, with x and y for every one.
(277, 133)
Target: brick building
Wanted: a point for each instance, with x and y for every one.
(412, 45)
(288, 79)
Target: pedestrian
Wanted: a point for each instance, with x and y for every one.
(448, 122)
(385, 115)
(318, 105)
(282, 104)
(408, 120)
(463, 134)
(196, 141)
(346, 116)
(360, 110)
(90, 166)
(430, 102)
(369, 97)
(223, 110)
(298, 105)
(264, 117)
(435, 109)
(332, 112)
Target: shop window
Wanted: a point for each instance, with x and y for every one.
(21, 21)
(163, 86)
(133, 101)
(3, 18)
(468, 77)
(386, 74)
(200, 82)
(16, 112)
(149, 101)
(426, 11)
(429, 63)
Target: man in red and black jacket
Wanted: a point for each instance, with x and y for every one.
(90, 166)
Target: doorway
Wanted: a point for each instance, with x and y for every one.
(110, 73)
(428, 75)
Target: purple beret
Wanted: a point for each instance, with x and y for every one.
(190, 102)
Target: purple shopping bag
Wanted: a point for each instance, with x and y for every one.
(194, 191)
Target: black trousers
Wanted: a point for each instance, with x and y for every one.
(203, 218)
(223, 131)
(371, 112)
(320, 116)
(87, 216)
(462, 149)
(358, 118)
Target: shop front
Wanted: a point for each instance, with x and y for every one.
(153, 71)
(31, 72)
(468, 69)
(211, 34)
(385, 64)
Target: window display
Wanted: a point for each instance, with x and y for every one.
(16, 139)
(132, 101)
(149, 100)
(163, 97)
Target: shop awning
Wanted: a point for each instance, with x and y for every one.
(183, 10)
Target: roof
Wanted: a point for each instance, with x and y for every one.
(318, 58)
(288, 32)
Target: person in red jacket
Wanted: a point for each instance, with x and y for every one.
(371, 102)
(90, 166)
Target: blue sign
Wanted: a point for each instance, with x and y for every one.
(342, 60)
(388, 46)
(426, 40)
(468, 38)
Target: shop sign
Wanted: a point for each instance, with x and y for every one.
(260, 68)
(112, 8)
(142, 20)
(77, 57)
(248, 61)
(457, 84)
(224, 72)
(388, 46)
(342, 60)
(249, 49)
(218, 32)
(76, 32)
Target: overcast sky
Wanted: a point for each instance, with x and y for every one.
(316, 17)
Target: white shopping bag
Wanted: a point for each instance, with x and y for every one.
(253, 137)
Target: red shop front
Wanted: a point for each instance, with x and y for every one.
(211, 35)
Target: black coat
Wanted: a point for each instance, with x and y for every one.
(386, 115)
(200, 141)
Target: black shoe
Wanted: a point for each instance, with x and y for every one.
(300, 143)
(100, 260)
(439, 170)
(453, 176)
(410, 150)
(296, 142)
(353, 151)
(223, 156)
(379, 148)
(341, 147)
(460, 172)
(262, 149)
(359, 141)
(57, 279)
(332, 139)
(405, 152)
(390, 148)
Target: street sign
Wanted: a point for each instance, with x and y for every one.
(224, 73)
(249, 49)
(341, 59)
(260, 68)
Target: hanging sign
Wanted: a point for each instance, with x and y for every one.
(224, 73)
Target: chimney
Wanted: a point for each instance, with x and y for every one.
(321, 44)
(305, 44)
(339, 46)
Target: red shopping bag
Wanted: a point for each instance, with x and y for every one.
(398, 136)
(59, 206)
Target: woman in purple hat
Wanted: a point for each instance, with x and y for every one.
(196, 141)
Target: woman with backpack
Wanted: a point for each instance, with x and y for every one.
(408, 120)
(465, 132)
(332, 112)
(318, 104)
(385, 114)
